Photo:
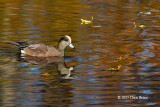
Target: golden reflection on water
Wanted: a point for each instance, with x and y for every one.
(97, 50)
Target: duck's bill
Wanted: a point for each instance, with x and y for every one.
(72, 46)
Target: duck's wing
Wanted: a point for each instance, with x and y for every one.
(35, 49)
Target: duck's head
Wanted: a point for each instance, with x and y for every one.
(64, 42)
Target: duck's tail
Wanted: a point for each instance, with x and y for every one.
(20, 44)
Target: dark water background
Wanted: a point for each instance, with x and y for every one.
(111, 41)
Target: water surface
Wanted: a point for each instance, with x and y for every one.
(124, 34)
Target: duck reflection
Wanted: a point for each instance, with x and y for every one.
(58, 62)
(64, 71)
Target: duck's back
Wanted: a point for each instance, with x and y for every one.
(41, 50)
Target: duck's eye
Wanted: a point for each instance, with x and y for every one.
(65, 39)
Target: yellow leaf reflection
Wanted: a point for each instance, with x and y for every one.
(142, 26)
(114, 69)
(120, 58)
(45, 74)
(87, 21)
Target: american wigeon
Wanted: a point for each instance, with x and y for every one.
(41, 50)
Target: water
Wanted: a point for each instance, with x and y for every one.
(124, 34)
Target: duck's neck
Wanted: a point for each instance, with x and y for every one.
(61, 49)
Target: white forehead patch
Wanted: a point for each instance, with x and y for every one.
(69, 38)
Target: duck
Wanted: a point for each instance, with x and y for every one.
(42, 50)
